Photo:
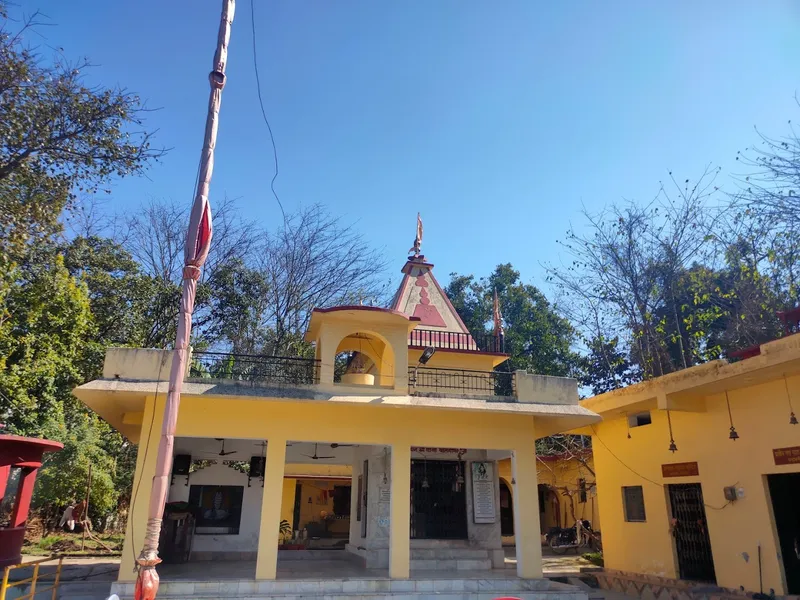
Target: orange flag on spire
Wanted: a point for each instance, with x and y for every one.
(418, 239)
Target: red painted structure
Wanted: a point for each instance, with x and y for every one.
(25, 454)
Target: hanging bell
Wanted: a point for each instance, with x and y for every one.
(672, 447)
(629, 435)
(733, 435)
(425, 484)
(792, 419)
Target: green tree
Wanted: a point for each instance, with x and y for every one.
(606, 367)
(121, 297)
(44, 327)
(60, 137)
(64, 475)
(536, 336)
(626, 271)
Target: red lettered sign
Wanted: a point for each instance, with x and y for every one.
(686, 469)
(786, 456)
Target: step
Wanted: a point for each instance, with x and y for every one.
(84, 590)
(451, 564)
(440, 589)
(482, 595)
(449, 553)
(336, 554)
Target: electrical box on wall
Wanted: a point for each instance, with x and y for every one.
(731, 493)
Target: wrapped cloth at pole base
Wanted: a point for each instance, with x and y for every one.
(147, 579)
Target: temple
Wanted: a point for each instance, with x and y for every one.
(378, 458)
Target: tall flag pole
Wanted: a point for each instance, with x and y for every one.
(497, 317)
(198, 241)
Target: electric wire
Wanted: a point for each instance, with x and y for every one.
(263, 111)
(135, 495)
(635, 472)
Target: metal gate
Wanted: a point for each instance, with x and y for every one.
(438, 500)
(690, 530)
(784, 489)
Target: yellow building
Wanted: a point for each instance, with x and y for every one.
(699, 475)
(388, 441)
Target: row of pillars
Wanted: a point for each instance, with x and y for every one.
(526, 513)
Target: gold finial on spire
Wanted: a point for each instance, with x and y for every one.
(417, 240)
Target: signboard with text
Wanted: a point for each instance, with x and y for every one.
(483, 492)
(786, 456)
(684, 469)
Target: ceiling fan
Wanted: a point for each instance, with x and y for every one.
(222, 452)
(334, 446)
(315, 457)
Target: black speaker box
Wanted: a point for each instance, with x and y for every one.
(181, 464)
(257, 464)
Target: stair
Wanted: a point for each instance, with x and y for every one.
(450, 559)
(462, 588)
(84, 590)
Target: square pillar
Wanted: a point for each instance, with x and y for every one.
(267, 561)
(142, 483)
(400, 513)
(326, 354)
(527, 529)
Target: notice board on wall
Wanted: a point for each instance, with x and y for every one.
(483, 505)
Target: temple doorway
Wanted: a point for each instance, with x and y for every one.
(438, 500)
(506, 510)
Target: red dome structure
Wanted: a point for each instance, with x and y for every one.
(20, 459)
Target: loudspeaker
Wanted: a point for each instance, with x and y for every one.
(257, 465)
(181, 464)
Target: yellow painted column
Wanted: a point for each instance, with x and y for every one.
(399, 343)
(142, 483)
(326, 354)
(400, 513)
(526, 522)
(267, 561)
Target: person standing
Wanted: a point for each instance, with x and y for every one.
(68, 518)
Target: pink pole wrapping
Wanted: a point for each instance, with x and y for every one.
(198, 240)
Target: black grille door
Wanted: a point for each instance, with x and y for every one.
(785, 490)
(690, 530)
(438, 509)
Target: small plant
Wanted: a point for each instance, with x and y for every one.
(596, 558)
(285, 530)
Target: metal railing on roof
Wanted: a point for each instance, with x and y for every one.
(455, 340)
(488, 383)
(254, 367)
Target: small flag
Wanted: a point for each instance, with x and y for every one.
(417, 240)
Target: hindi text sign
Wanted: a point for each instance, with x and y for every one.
(483, 492)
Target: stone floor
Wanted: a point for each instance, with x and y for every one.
(106, 569)
(475, 586)
(91, 579)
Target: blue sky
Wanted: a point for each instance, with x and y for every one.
(496, 120)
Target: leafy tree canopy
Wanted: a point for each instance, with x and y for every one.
(537, 337)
